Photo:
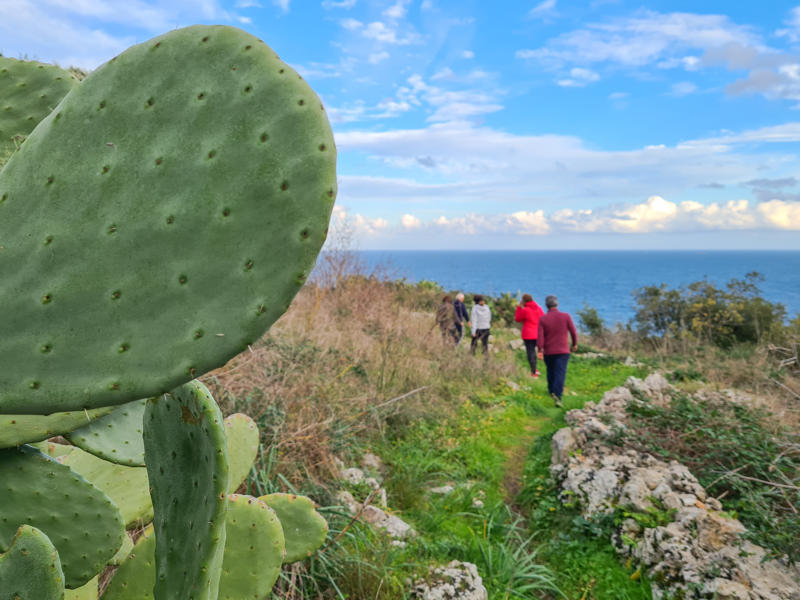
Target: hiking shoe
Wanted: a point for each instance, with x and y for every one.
(557, 400)
(535, 375)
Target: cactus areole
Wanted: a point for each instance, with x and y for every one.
(158, 220)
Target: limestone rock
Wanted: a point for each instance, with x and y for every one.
(353, 475)
(372, 462)
(456, 581)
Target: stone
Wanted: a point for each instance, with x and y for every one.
(516, 344)
(716, 531)
(372, 462)
(347, 500)
(477, 503)
(392, 525)
(636, 494)
(456, 581)
(372, 482)
(353, 475)
(563, 443)
(725, 589)
(443, 490)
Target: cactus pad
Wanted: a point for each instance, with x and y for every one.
(83, 524)
(195, 161)
(303, 527)
(253, 551)
(31, 570)
(187, 463)
(29, 91)
(123, 552)
(127, 487)
(136, 576)
(22, 429)
(52, 449)
(85, 592)
(242, 434)
(116, 437)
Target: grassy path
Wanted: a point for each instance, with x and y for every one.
(504, 514)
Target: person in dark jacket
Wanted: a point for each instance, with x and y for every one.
(446, 320)
(528, 313)
(553, 329)
(462, 316)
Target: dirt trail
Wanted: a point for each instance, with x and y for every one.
(515, 464)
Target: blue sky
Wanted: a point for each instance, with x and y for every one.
(512, 124)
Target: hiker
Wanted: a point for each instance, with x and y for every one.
(446, 320)
(553, 329)
(462, 316)
(528, 313)
(480, 323)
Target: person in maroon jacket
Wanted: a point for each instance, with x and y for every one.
(528, 313)
(553, 330)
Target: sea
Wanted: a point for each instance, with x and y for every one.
(604, 280)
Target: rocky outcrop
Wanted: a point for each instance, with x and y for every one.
(455, 581)
(695, 550)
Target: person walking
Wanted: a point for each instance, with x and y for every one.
(528, 313)
(446, 320)
(462, 316)
(553, 329)
(481, 323)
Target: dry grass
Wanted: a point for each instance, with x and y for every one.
(328, 372)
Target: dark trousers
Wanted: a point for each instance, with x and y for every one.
(556, 372)
(482, 336)
(530, 348)
(460, 330)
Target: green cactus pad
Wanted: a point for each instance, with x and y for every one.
(187, 463)
(127, 487)
(30, 569)
(242, 434)
(22, 429)
(136, 576)
(85, 592)
(29, 91)
(303, 527)
(253, 551)
(116, 437)
(123, 552)
(52, 449)
(83, 524)
(196, 161)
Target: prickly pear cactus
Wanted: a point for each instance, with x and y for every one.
(22, 429)
(303, 527)
(173, 234)
(31, 570)
(29, 91)
(187, 463)
(242, 434)
(116, 437)
(83, 524)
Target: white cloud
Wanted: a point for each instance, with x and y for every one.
(683, 88)
(247, 4)
(351, 24)
(642, 39)
(528, 223)
(331, 4)
(397, 10)
(377, 57)
(579, 77)
(618, 95)
(792, 29)
(543, 9)
(410, 221)
(467, 54)
(781, 214)
(283, 5)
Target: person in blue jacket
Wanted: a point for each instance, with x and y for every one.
(462, 316)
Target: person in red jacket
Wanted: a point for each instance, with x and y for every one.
(553, 330)
(528, 313)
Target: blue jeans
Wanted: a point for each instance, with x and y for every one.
(556, 372)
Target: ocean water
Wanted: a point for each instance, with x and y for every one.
(602, 279)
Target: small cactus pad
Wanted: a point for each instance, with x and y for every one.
(136, 576)
(22, 429)
(31, 570)
(187, 463)
(195, 161)
(85, 592)
(253, 551)
(83, 524)
(29, 91)
(303, 527)
(127, 487)
(242, 434)
(116, 437)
